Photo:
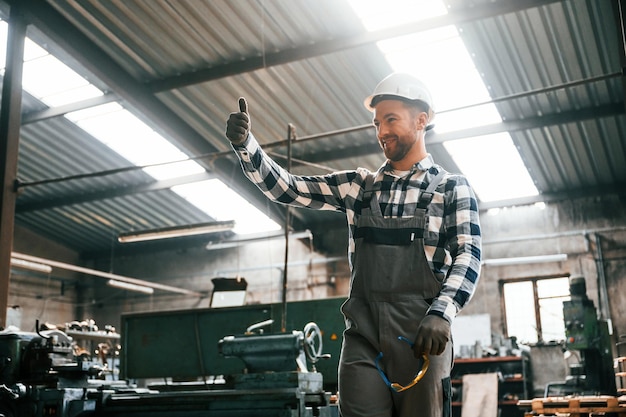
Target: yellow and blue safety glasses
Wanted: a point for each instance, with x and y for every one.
(394, 386)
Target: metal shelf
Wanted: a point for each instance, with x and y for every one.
(515, 380)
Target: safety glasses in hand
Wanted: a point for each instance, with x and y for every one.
(394, 385)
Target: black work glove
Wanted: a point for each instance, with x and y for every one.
(433, 334)
(238, 124)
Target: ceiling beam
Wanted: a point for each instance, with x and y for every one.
(538, 122)
(301, 52)
(37, 116)
(362, 146)
(553, 197)
(104, 194)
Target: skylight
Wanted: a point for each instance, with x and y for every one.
(440, 59)
(130, 137)
(494, 187)
(127, 135)
(216, 199)
(68, 86)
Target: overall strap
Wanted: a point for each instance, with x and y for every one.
(370, 201)
(427, 195)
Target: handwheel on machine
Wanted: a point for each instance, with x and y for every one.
(313, 342)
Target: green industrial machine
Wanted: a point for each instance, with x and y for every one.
(589, 336)
(183, 345)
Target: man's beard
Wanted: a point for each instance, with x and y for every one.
(396, 147)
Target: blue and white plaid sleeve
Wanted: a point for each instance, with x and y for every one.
(322, 192)
(463, 240)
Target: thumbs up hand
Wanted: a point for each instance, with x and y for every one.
(238, 124)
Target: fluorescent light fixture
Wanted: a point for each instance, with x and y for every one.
(232, 243)
(33, 266)
(176, 231)
(129, 286)
(526, 260)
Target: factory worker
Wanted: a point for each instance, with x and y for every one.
(414, 251)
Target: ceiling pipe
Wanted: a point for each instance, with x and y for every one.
(33, 266)
(525, 260)
(279, 266)
(130, 287)
(101, 274)
(579, 232)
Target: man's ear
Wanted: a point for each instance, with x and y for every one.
(422, 120)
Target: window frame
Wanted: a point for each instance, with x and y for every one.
(533, 280)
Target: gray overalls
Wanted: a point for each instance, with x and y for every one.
(391, 289)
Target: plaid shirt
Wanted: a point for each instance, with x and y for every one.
(452, 236)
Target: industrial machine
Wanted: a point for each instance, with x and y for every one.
(268, 373)
(40, 374)
(275, 381)
(587, 336)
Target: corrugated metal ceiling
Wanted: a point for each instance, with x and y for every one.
(573, 44)
(552, 66)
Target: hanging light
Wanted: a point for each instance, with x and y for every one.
(231, 243)
(176, 231)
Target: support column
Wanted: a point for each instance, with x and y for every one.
(619, 7)
(10, 119)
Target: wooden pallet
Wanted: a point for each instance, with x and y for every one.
(575, 406)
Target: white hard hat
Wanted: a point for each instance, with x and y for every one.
(403, 87)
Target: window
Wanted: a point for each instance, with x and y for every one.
(533, 308)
